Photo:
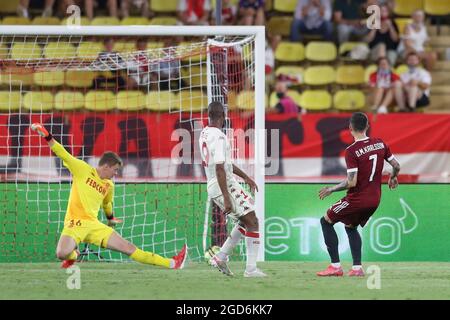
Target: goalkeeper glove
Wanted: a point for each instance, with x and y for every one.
(40, 129)
(112, 221)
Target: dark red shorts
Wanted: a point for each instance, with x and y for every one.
(352, 211)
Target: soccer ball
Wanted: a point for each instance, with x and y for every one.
(210, 252)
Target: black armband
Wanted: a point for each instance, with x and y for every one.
(49, 137)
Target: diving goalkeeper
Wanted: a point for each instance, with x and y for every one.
(91, 188)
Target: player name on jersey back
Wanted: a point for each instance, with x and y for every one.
(369, 148)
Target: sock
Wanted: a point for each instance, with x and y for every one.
(252, 246)
(72, 256)
(355, 245)
(356, 267)
(233, 239)
(331, 240)
(336, 265)
(151, 258)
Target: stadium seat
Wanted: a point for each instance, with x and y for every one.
(17, 77)
(163, 5)
(290, 52)
(4, 51)
(97, 100)
(49, 78)
(155, 45)
(192, 100)
(79, 79)
(163, 21)
(10, 100)
(138, 21)
(437, 7)
(38, 101)
(9, 6)
(195, 75)
(350, 75)
(196, 53)
(46, 21)
(162, 101)
(59, 50)
(124, 46)
(295, 95)
(407, 7)
(368, 71)
(89, 50)
(84, 21)
(246, 100)
(402, 23)
(286, 6)
(349, 100)
(131, 100)
(13, 20)
(69, 100)
(315, 100)
(232, 100)
(321, 51)
(293, 72)
(105, 21)
(319, 75)
(234, 2)
(280, 25)
(26, 50)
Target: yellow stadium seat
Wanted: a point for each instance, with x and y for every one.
(163, 21)
(10, 100)
(97, 100)
(138, 21)
(79, 79)
(290, 52)
(246, 100)
(163, 5)
(437, 7)
(232, 100)
(125, 46)
(321, 51)
(368, 71)
(4, 51)
(295, 95)
(315, 100)
(49, 78)
(192, 100)
(105, 21)
(89, 50)
(402, 23)
(401, 69)
(350, 75)
(48, 21)
(319, 75)
(195, 75)
(155, 45)
(84, 21)
(162, 101)
(349, 100)
(17, 77)
(280, 25)
(69, 100)
(9, 6)
(131, 100)
(38, 101)
(13, 20)
(407, 7)
(25, 51)
(59, 50)
(287, 6)
(191, 53)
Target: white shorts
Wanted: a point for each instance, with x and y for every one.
(241, 201)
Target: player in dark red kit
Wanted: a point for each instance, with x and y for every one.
(365, 160)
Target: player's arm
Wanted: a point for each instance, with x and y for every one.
(348, 183)
(245, 177)
(222, 181)
(393, 181)
(108, 208)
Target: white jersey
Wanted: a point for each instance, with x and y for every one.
(215, 149)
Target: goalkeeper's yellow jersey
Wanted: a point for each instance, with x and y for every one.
(88, 191)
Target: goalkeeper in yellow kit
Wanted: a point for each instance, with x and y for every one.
(92, 188)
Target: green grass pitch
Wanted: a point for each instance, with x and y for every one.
(286, 280)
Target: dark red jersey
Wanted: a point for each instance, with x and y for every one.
(366, 157)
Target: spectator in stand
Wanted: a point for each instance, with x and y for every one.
(139, 71)
(383, 42)
(414, 86)
(348, 15)
(415, 38)
(272, 42)
(285, 103)
(194, 12)
(383, 82)
(312, 17)
(229, 14)
(89, 6)
(251, 12)
(22, 8)
(141, 6)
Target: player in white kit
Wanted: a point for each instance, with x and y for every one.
(227, 193)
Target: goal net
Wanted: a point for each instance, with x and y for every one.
(142, 94)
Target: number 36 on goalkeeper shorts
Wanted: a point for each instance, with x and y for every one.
(246, 309)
